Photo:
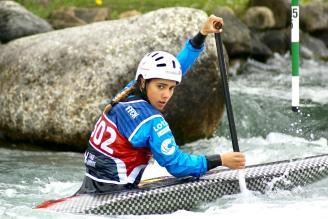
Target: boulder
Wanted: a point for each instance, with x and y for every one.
(73, 16)
(277, 40)
(314, 19)
(130, 13)
(238, 39)
(51, 84)
(322, 35)
(314, 16)
(259, 18)
(280, 9)
(259, 50)
(16, 22)
(91, 15)
(312, 48)
(236, 35)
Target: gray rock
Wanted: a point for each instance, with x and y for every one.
(314, 16)
(129, 13)
(312, 47)
(280, 9)
(238, 38)
(16, 22)
(277, 40)
(259, 50)
(322, 35)
(259, 18)
(236, 35)
(91, 15)
(51, 84)
(314, 19)
(64, 18)
(73, 16)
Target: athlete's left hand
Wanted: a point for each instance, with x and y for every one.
(211, 24)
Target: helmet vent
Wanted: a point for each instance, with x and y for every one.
(154, 54)
(159, 64)
(159, 58)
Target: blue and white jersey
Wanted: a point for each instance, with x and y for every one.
(144, 127)
(154, 132)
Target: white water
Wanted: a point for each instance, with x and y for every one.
(267, 130)
(42, 175)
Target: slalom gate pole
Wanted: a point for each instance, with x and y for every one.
(295, 54)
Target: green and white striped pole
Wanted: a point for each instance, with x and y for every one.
(295, 55)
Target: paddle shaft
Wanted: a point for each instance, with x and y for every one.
(224, 77)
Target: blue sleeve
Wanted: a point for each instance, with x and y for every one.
(187, 56)
(157, 135)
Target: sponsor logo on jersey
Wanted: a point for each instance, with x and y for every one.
(161, 128)
(90, 159)
(165, 147)
(131, 111)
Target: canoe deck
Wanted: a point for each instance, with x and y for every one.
(169, 194)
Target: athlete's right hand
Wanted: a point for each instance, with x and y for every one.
(209, 26)
(233, 160)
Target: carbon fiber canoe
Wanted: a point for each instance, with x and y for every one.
(166, 195)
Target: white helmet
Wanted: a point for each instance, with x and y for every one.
(159, 64)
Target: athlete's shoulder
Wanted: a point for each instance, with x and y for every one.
(138, 109)
(154, 127)
(129, 116)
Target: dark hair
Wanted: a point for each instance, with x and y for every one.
(135, 88)
(119, 97)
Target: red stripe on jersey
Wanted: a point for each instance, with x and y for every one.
(107, 139)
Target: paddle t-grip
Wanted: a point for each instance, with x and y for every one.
(218, 25)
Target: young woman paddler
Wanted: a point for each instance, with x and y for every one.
(132, 129)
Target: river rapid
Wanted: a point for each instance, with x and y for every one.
(267, 130)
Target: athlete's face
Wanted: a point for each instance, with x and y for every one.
(160, 91)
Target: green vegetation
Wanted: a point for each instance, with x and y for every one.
(43, 8)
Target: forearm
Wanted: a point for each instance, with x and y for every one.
(198, 40)
(188, 55)
(186, 165)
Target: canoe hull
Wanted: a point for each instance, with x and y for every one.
(170, 194)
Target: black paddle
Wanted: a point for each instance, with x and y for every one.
(233, 132)
(226, 92)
